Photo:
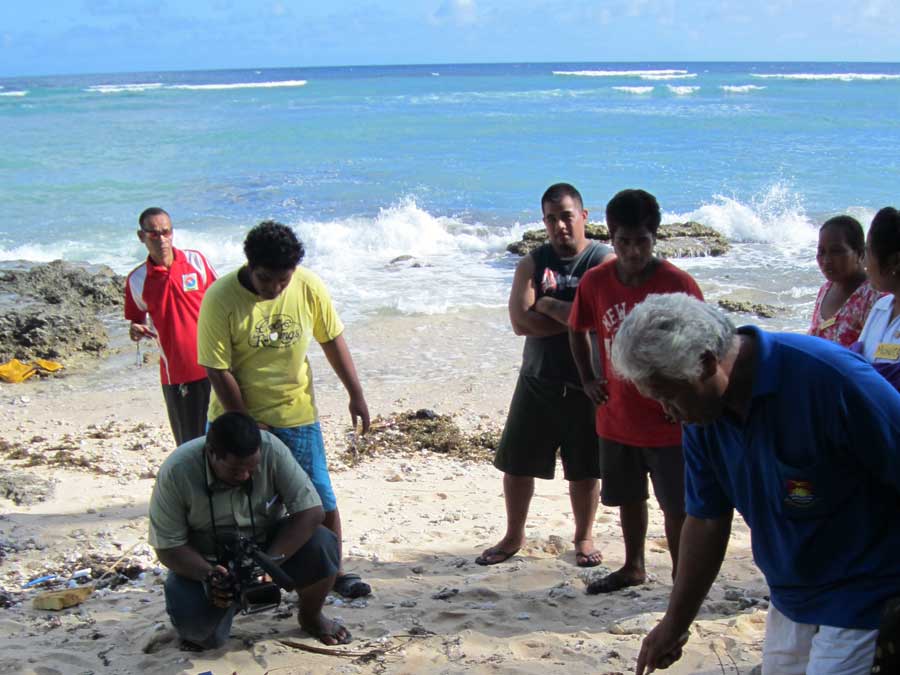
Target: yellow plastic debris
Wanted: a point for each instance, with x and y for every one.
(56, 600)
(15, 371)
(46, 364)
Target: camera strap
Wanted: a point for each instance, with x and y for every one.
(212, 512)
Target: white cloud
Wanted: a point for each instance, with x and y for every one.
(460, 12)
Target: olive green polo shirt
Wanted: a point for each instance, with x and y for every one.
(180, 505)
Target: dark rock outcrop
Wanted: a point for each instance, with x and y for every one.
(747, 307)
(54, 310)
(675, 240)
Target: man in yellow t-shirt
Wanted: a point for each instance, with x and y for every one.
(253, 333)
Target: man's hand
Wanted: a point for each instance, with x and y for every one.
(596, 391)
(139, 331)
(359, 410)
(661, 648)
(219, 587)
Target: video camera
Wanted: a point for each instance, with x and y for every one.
(248, 566)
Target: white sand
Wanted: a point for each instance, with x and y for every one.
(413, 526)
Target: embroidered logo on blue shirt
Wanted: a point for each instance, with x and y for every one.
(800, 493)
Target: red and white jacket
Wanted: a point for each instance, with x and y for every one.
(172, 297)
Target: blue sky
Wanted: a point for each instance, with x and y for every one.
(85, 36)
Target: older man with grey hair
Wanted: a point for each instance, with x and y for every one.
(799, 435)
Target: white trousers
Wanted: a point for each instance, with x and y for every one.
(804, 649)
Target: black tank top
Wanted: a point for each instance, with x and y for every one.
(549, 358)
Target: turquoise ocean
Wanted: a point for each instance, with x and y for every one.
(446, 163)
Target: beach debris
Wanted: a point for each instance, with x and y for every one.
(25, 489)
(57, 600)
(46, 578)
(412, 432)
(638, 625)
(8, 599)
(14, 371)
(445, 593)
(373, 650)
(96, 449)
(673, 240)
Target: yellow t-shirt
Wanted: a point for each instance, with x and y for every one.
(264, 342)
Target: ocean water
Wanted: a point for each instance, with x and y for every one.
(446, 163)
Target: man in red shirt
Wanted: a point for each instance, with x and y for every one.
(636, 437)
(168, 287)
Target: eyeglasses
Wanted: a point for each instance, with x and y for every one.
(157, 234)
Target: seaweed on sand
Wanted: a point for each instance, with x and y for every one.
(413, 432)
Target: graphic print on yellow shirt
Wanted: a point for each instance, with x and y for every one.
(264, 344)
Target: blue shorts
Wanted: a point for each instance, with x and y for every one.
(308, 448)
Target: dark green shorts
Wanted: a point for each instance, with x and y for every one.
(544, 417)
(626, 468)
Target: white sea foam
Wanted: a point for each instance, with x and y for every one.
(465, 97)
(117, 259)
(740, 88)
(239, 85)
(842, 77)
(668, 76)
(682, 91)
(623, 73)
(124, 88)
(634, 90)
(14, 93)
(775, 216)
(445, 263)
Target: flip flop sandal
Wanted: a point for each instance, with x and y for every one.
(351, 586)
(493, 552)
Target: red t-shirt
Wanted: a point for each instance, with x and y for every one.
(172, 298)
(601, 303)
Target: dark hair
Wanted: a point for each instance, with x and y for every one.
(853, 232)
(146, 214)
(884, 234)
(233, 433)
(633, 208)
(556, 192)
(273, 246)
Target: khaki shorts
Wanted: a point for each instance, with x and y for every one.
(545, 417)
(793, 648)
(625, 469)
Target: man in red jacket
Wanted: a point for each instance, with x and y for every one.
(162, 302)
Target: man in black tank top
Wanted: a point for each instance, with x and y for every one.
(549, 412)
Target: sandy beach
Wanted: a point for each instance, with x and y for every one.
(414, 521)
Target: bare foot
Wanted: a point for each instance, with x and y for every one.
(616, 581)
(328, 631)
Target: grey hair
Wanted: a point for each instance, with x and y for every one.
(667, 335)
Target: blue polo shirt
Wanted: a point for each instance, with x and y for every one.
(815, 472)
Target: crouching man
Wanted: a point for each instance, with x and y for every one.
(802, 437)
(238, 482)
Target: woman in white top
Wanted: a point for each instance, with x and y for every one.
(879, 341)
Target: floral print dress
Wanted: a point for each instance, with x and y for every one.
(845, 326)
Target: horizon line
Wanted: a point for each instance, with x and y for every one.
(436, 64)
